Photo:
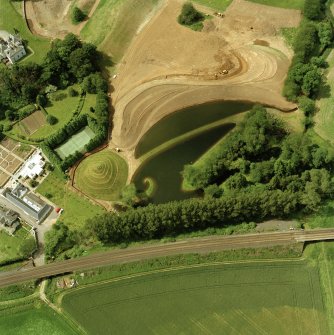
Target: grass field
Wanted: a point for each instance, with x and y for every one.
(291, 4)
(76, 208)
(115, 23)
(75, 143)
(10, 19)
(35, 321)
(322, 255)
(102, 175)
(245, 298)
(219, 5)
(324, 118)
(63, 110)
(10, 245)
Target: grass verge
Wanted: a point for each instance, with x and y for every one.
(76, 208)
(289, 4)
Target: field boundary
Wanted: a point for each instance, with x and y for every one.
(181, 267)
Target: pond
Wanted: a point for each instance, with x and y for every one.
(187, 120)
(165, 168)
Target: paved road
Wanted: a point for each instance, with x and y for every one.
(195, 245)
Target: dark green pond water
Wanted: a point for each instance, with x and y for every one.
(186, 120)
(165, 168)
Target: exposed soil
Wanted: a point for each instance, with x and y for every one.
(168, 66)
(52, 18)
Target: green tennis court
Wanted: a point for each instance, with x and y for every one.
(75, 143)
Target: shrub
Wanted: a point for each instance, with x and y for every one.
(33, 183)
(77, 15)
(189, 15)
(72, 92)
(41, 100)
(307, 105)
(50, 119)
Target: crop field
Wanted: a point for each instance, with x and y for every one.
(291, 4)
(75, 143)
(10, 19)
(77, 209)
(102, 175)
(240, 298)
(112, 28)
(33, 122)
(35, 321)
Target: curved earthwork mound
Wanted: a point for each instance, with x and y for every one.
(102, 175)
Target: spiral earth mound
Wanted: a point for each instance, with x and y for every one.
(102, 175)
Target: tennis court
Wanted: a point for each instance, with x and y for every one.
(75, 143)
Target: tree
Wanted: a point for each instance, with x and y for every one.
(72, 92)
(325, 33)
(189, 15)
(307, 105)
(27, 247)
(313, 9)
(311, 82)
(129, 194)
(41, 100)
(77, 15)
(58, 239)
(51, 119)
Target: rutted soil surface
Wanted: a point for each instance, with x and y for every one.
(52, 18)
(169, 66)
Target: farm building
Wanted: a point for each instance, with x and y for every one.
(9, 220)
(11, 47)
(33, 167)
(28, 202)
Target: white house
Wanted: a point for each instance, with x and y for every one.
(11, 47)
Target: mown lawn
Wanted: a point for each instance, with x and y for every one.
(102, 175)
(290, 4)
(245, 298)
(35, 321)
(10, 245)
(77, 209)
(10, 19)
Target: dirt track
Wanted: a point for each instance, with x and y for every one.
(169, 67)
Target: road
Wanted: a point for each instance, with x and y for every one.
(194, 245)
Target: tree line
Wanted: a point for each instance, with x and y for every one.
(305, 75)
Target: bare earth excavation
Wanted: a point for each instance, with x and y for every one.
(168, 66)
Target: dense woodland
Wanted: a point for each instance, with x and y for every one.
(259, 171)
(69, 61)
